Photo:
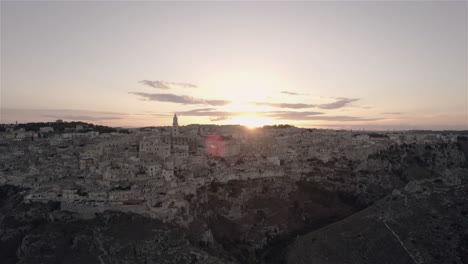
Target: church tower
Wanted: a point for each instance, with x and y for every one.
(175, 126)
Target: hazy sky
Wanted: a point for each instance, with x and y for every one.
(368, 64)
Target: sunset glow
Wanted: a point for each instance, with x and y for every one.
(279, 64)
(252, 121)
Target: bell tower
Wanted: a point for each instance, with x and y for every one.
(175, 126)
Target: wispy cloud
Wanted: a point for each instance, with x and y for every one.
(317, 116)
(206, 112)
(83, 117)
(180, 99)
(212, 113)
(392, 113)
(286, 105)
(167, 85)
(10, 115)
(344, 118)
(291, 93)
(292, 115)
(220, 118)
(339, 103)
(216, 115)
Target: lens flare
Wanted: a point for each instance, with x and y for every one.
(215, 145)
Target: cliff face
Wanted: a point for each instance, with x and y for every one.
(388, 169)
(245, 217)
(38, 233)
(426, 222)
(256, 220)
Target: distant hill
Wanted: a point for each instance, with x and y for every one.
(61, 127)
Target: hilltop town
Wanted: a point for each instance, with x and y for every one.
(227, 185)
(156, 171)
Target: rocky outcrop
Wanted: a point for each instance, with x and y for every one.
(371, 179)
(39, 233)
(425, 222)
(463, 142)
(255, 220)
(249, 218)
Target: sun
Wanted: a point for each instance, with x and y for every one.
(252, 121)
(248, 114)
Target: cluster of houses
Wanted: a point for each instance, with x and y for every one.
(154, 170)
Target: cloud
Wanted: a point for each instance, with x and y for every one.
(392, 113)
(216, 115)
(211, 112)
(339, 103)
(180, 99)
(314, 116)
(286, 105)
(205, 112)
(291, 93)
(220, 118)
(292, 115)
(11, 115)
(83, 117)
(167, 85)
(155, 84)
(344, 118)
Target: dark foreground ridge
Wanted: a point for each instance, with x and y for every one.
(425, 222)
(40, 233)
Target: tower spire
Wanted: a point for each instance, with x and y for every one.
(175, 126)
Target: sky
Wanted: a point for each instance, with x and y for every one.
(386, 65)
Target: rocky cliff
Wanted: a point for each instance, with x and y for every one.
(39, 233)
(255, 220)
(425, 222)
(249, 218)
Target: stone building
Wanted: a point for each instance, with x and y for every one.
(175, 126)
